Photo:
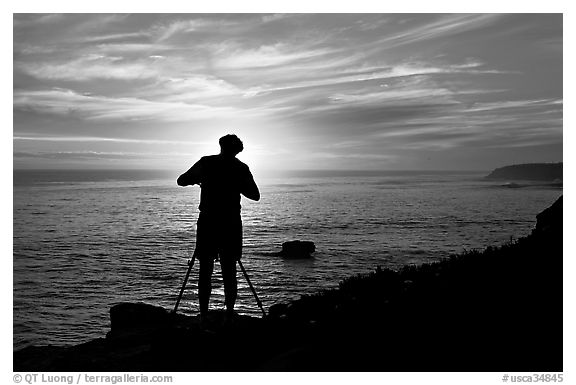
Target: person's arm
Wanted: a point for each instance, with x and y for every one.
(249, 188)
(192, 176)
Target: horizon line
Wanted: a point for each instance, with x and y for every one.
(269, 170)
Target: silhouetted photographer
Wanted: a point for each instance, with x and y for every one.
(223, 179)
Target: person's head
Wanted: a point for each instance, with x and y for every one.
(230, 145)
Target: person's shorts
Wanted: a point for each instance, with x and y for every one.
(218, 237)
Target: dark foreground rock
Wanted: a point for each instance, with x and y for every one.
(534, 172)
(549, 222)
(497, 310)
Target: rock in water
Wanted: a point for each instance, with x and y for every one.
(137, 315)
(297, 249)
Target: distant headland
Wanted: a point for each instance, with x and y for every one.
(531, 171)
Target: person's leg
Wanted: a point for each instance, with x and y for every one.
(230, 282)
(205, 284)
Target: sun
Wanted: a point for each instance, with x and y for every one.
(252, 158)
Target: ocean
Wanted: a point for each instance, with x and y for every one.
(86, 240)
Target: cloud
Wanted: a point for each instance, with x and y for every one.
(89, 67)
(97, 22)
(392, 97)
(27, 49)
(88, 139)
(130, 48)
(432, 120)
(364, 74)
(512, 124)
(76, 155)
(275, 17)
(348, 155)
(362, 99)
(68, 102)
(96, 155)
(444, 26)
(514, 104)
(111, 36)
(233, 56)
(24, 20)
(193, 88)
(166, 31)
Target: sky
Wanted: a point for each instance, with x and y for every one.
(303, 91)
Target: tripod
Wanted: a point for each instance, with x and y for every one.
(191, 264)
(251, 287)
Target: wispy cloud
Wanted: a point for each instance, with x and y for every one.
(184, 26)
(362, 74)
(91, 107)
(393, 97)
(515, 104)
(89, 139)
(90, 67)
(199, 88)
(23, 20)
(164, 32)
(97, 22)
(527, 123)
(275, 17)
(230, 55)
(102, 38)
(97, 155)
(444, 26)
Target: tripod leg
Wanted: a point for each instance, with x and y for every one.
(190, 264)
(251, 287)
